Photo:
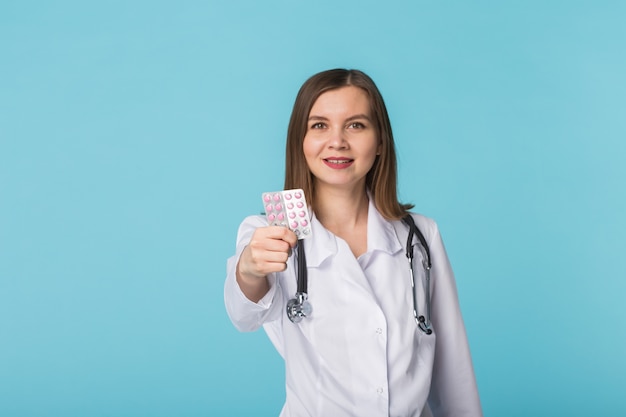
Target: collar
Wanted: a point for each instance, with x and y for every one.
(381, 236)
(321, 245)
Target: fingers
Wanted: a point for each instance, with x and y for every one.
(268, 251)
(278, 232)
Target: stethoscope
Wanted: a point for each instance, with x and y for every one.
(299, 307)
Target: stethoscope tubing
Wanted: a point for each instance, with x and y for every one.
(299, 307)
(423, 322)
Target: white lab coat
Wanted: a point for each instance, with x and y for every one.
(360, 353)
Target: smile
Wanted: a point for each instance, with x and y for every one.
(338, 163)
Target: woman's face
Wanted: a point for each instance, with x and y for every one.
(341, 144)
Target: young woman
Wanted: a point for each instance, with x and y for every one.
(372, 345)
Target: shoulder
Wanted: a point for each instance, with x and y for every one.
(426, 225)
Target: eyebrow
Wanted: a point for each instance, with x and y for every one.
(355, 117)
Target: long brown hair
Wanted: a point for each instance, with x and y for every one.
(381, 180)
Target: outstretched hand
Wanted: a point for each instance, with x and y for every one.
(268, 251)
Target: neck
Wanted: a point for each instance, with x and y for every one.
(341, 211)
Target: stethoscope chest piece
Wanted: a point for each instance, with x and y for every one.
(298, 308)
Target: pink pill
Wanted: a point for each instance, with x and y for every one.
(271, 217)
(292, 215)
(276, 197)
(268, 208)
(298, 194)
(278, 207)
(294, 225)
(288, 196)
(300, 204)
(290, 206)
(304, 223)
(267, 198)
(302, 214)
(281, 216)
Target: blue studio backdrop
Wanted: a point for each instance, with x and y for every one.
(136, 135)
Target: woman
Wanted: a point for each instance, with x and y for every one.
(360, 352)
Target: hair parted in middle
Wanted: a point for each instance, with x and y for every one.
(381, 180)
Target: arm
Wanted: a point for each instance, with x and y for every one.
(251, 285)
(453, 388)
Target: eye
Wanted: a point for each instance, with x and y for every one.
(356, 125)
(318, 125)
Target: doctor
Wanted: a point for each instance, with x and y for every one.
(360, 352)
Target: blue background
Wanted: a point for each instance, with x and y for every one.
(135, 136)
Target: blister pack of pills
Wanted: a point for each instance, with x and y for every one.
(288, 208)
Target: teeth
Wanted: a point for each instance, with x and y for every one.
(338, 162)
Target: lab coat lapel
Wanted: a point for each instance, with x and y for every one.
(320, 246)
(381, 236)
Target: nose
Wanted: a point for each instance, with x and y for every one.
(337, 139)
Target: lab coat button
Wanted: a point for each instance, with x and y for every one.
(379, 331)
(379, 390)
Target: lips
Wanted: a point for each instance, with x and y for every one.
(338, 163)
